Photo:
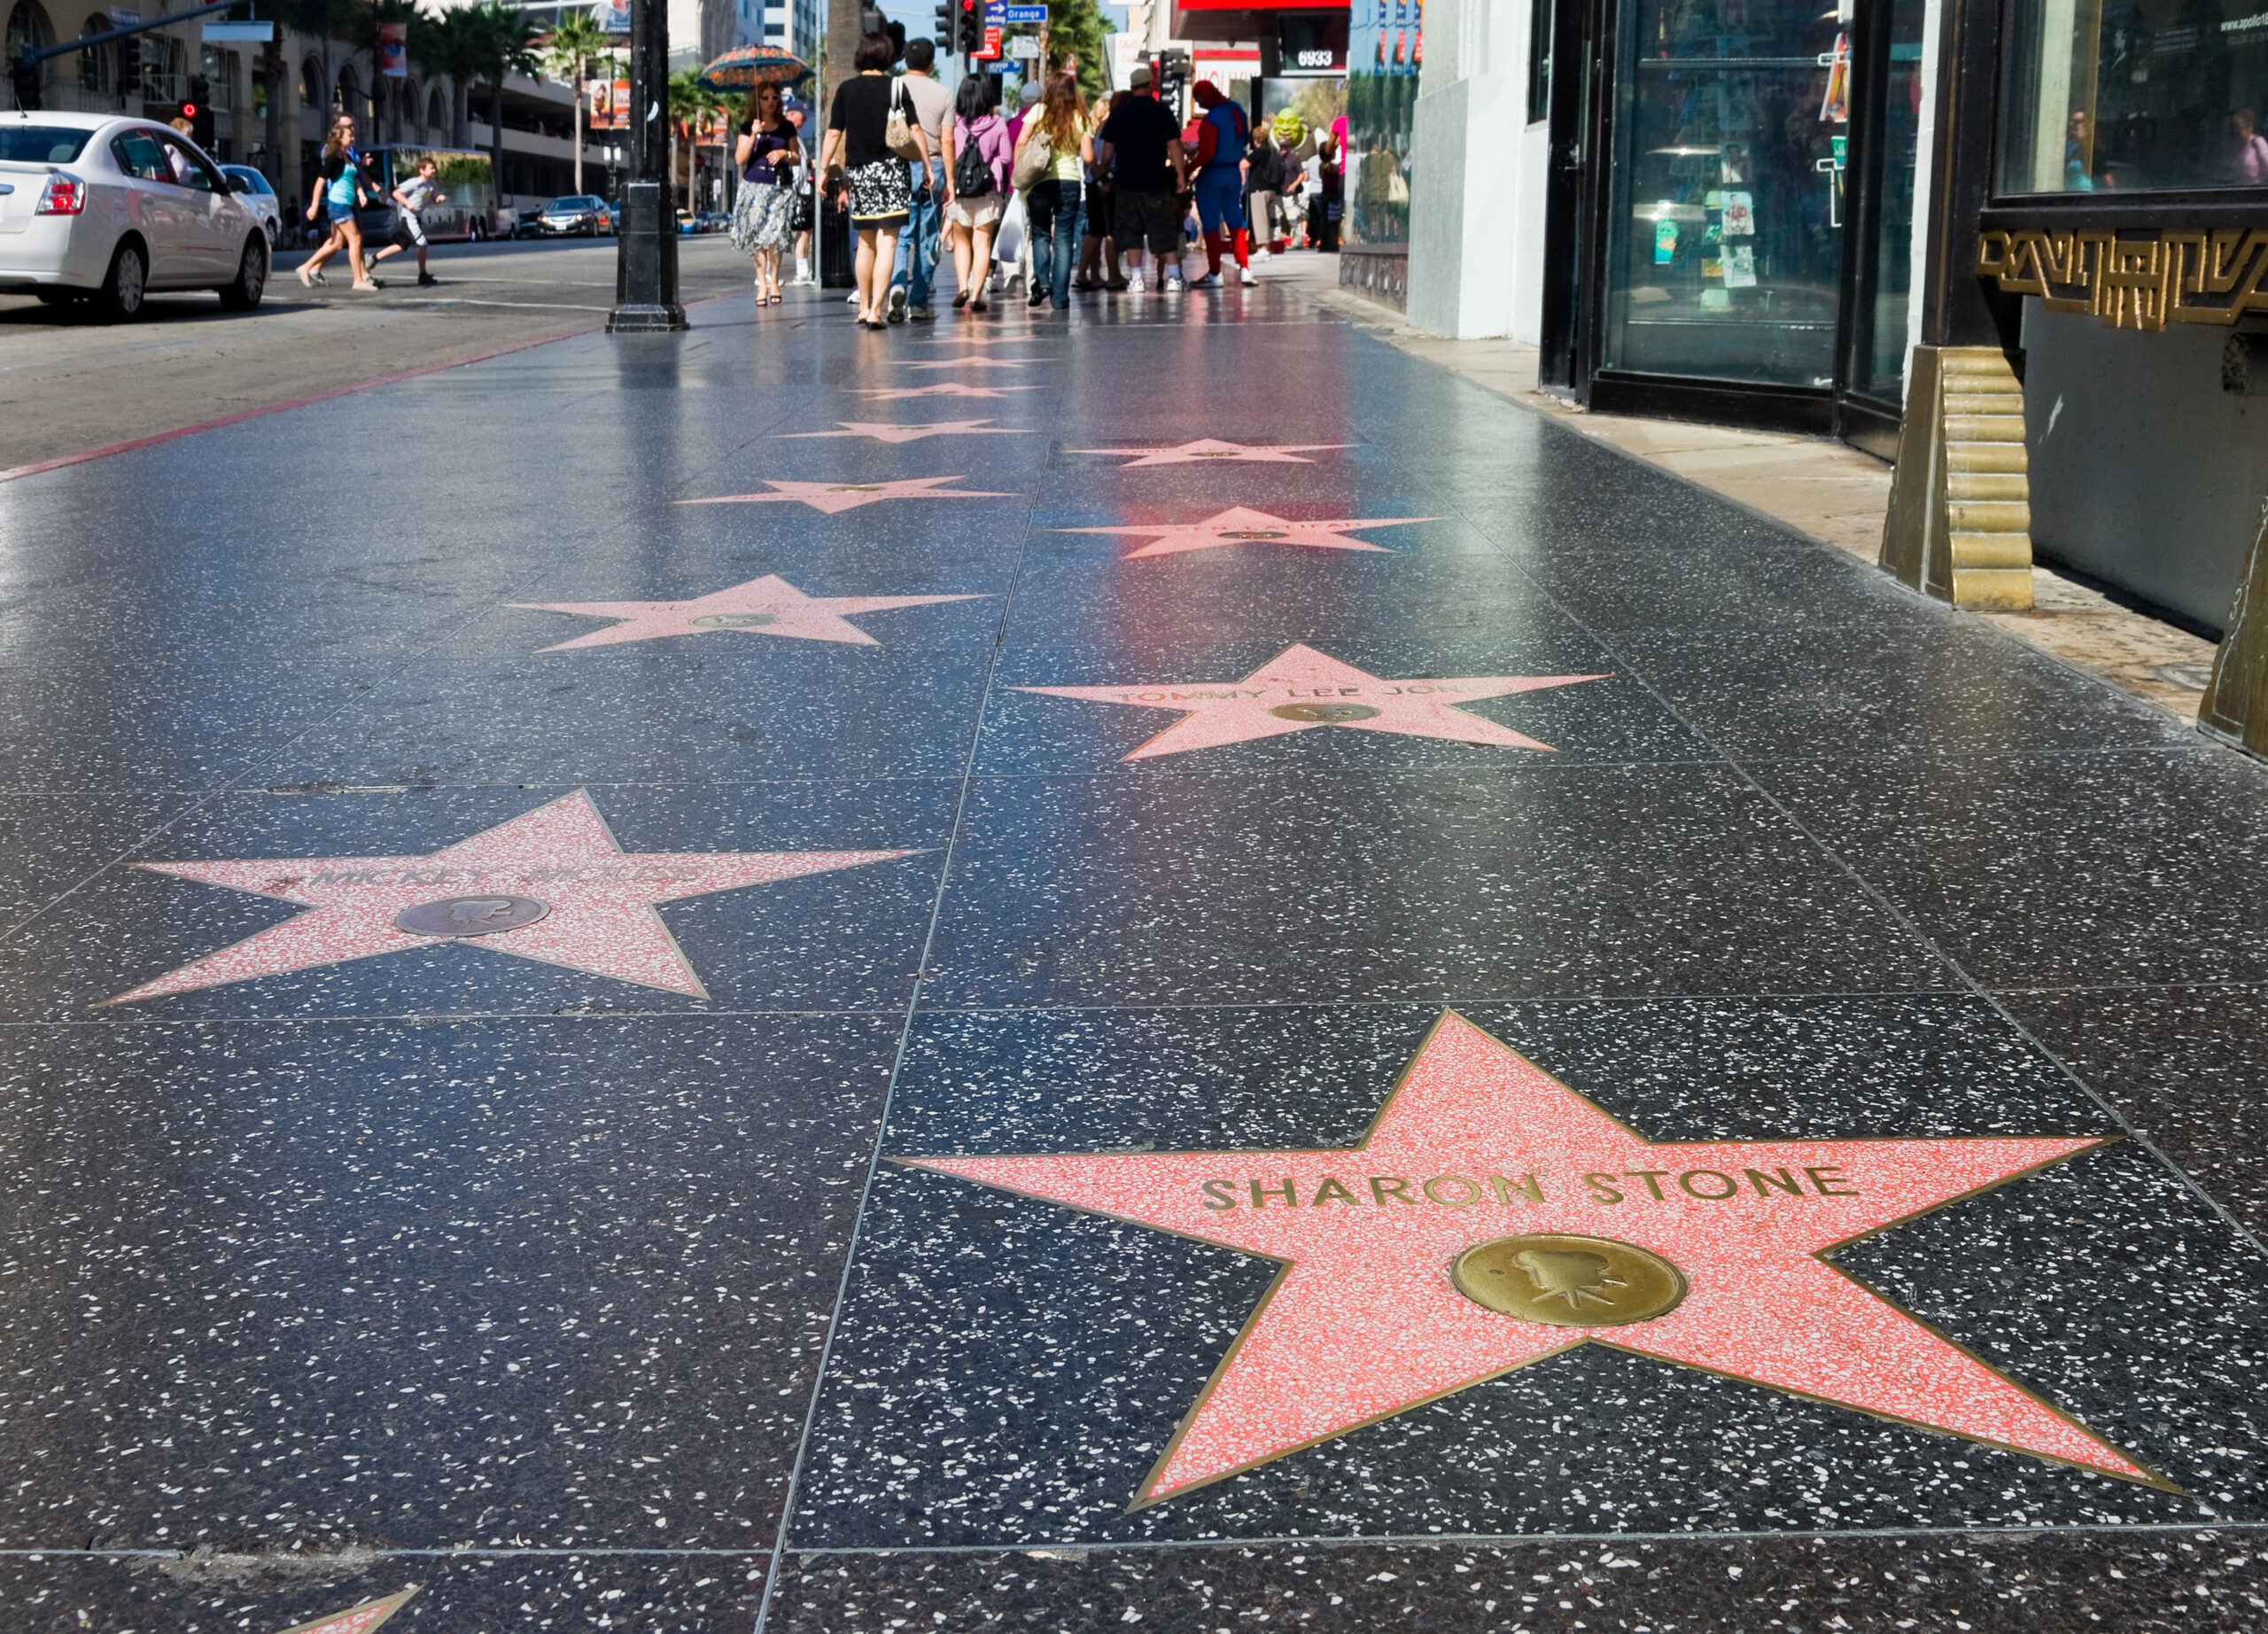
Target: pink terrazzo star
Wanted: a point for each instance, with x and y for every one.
(831, 497)
(884, 431)
(597, 900)
(1478, 1144)
(1299, 689)
(946, 388)
(1241, 526)
(1211, 448)
(363, 1619)
(766, 606)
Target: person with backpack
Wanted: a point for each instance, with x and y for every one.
(978, 153)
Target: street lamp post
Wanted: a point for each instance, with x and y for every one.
(645, 268)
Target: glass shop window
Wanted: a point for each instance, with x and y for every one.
(1733, 128)
(2112, 96)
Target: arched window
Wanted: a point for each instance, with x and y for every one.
(311, 95)
(349, 97)
(437, 110)
(28, 31)
(406, 102)
(94, 65)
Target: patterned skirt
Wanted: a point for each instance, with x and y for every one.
(763, 217)
(881, 194)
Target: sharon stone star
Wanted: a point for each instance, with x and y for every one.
(1493, 1218)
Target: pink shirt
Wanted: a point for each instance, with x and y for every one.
(993, 139)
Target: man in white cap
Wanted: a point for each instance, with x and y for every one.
(1142, 145)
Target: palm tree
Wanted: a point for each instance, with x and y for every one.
(452, 43)
(690, 99)
(574, 45)
(507, 37)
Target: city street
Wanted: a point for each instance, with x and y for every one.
(1164, 967)
(72, 386)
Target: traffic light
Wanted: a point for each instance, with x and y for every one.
(945, 34)
(969, 36)
(24, 76)
(199, 111)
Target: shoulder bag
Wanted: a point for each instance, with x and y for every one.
(1034, 162)
(899, 136)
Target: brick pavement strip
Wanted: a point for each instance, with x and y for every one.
(74, 386)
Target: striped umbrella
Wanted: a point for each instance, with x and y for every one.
(745, 67)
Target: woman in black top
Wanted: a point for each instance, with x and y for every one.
(858, 164)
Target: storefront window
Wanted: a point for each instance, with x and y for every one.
(1878, 369)
(1383, 54)
(2127, 97)
(1726, 220)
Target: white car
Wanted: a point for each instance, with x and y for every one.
(94, 208)
(258, 197)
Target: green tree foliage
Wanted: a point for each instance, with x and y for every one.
(1075, 30)
(574, 45)
(508, 37)
(452, 43)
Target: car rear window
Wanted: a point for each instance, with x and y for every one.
(40, 144)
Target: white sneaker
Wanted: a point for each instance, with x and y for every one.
(1250, 277)
(1173, 286)
(1134, 285)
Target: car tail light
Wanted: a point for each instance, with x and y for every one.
(64, 195)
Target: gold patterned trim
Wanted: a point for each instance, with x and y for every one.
(2183, 275)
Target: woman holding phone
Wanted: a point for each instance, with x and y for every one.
(763, 214)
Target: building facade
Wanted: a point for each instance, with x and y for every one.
(2016, 245)
(304, 81)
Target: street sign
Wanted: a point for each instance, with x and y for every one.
(1023, 47)
(1026, 13)
(995, 13)
(992, 51)
(238, 31)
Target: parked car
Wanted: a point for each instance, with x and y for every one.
(95, 208)
(578, 215)
(527, 224)
(258, 197)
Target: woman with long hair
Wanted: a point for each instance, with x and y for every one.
(763, 214)
(1052, 203)
(862, 170)
(978, 150)
(1098, 267)
(342, 190)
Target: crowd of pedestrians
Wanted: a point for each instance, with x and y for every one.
(1056, 197)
